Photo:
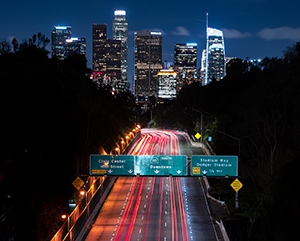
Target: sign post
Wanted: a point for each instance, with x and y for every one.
(78, 183)
(236, 185)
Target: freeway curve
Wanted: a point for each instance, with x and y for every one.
(156, 208)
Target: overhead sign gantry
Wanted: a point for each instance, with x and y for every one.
(163, 165)
(143, 165)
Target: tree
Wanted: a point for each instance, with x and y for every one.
(5, 47)
(33, 49)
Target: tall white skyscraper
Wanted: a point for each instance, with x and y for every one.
(120, 32)
(215, 55)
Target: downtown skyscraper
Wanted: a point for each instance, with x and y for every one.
(213, 64)
(106, 59)
(120, 32)
(147, 63)
(185, 63)
(98, 48)
(63, 44)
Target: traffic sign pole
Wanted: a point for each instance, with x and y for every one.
(236, 185)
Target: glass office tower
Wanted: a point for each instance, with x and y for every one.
(58, 41)
(75, 46)
(120, 32)
(147, 63)
(63, 44)
(185, 63)
(106, 58)
(167, 84)
(99, 40)
(215, 55)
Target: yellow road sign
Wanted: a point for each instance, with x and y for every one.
(196, 170)
(78, 183)
(197, 135)
(236, 185)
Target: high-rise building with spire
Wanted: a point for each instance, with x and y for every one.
(120, 32)
(215, 55)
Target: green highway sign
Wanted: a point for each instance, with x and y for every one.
(114, 165)
(214, 166)
(143, 165)
(161, 165)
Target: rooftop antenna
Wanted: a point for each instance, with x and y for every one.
(206, 21)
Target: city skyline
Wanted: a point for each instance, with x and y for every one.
(254, 28)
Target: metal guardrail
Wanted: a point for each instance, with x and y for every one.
(208, 150)
(76, 222)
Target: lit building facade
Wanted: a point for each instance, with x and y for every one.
(106, 59)
(215, 55)
(63, 44)
(75, 46)
(185, 63)
(120, 32)
(203, 67)
(147, 63)
(99, 41)
(166, 84)
(58, 40)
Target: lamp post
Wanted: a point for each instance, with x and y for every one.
(235, 138)
(201, 121)
(66, 217)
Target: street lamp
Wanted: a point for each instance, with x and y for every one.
(117, 150)
(122, 144)
(235, 138)
(201, 122)
(66, 217)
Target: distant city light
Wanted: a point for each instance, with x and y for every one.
(214, 32)
(120, 12)
(156, 33)
(61, 27)
(191, 44)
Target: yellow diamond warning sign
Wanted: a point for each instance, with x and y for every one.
(78, 183)
(198, 135)
(236, 185)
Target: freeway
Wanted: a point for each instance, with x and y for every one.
(156, 208)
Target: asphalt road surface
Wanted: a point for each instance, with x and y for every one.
(156, 208)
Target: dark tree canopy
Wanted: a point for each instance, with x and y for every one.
(52, 118)
(260, 106)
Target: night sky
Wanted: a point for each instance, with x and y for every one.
(252, 28)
